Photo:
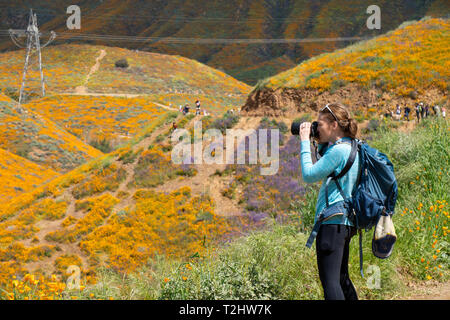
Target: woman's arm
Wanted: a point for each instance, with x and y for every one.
(322, 168)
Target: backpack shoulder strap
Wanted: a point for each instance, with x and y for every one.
(348, 165)
(350, 161)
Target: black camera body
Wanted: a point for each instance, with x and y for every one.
(295, 129)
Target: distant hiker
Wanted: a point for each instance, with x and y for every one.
(422, 110)
(336, 130)
(186, 109)
(443, 112)
(427, 110)
(407, 111)
(398, 113)
(436, 111)
(417, 109)
(197, 106)
(174, 126)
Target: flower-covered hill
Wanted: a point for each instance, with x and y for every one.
(20, 175)
(107, 212)
(40, 140)
(409, 64)
(101, 121)
(172, 79)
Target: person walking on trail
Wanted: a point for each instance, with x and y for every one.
(422, 110)
(443, 111)
(398, 112)
(417, 109)
(336, 130)
(427, 111)
(186, 109)
(197, 105)
(407, 111)
(437, 111)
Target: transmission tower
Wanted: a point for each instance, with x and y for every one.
(33, 46)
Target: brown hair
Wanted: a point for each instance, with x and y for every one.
(345, 121)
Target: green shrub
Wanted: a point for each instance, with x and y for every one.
(122, 63)
(103, 144)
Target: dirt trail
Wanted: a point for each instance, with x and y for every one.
(205, 182)
(128, 201)
(83, 89)
(46, 226)
(430, 291)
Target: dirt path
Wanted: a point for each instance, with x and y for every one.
(430, 291)
(129, 202)
(83, 89)
(206, 182)
(46, 227)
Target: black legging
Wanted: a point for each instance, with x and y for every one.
(332, 248)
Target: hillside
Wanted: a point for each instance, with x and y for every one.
(404, 66)
(116, 210)
(104, 122)
(236, 19)
(20, 175)
(86, 69)
(40, 140)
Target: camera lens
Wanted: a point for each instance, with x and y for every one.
(314, 132)
(295, 128)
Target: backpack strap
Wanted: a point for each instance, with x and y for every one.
(350, 161)
(360, 254)
(313, 234)
(348, 165)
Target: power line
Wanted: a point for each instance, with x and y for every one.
(109, 37)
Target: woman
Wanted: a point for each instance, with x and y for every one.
(336, 128)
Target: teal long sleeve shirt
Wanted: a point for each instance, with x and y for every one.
(333, 160)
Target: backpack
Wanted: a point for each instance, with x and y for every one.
(374, 195)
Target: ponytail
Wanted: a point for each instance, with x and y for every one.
(352, 129)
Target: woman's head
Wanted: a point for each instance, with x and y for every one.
(335, 121)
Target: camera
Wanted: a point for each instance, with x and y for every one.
(295, 129)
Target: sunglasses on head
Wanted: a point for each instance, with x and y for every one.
(328, 108)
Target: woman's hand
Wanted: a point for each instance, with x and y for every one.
(305, 131)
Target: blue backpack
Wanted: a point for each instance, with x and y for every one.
(375, 192)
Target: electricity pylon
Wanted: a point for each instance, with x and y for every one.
(33, 45)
